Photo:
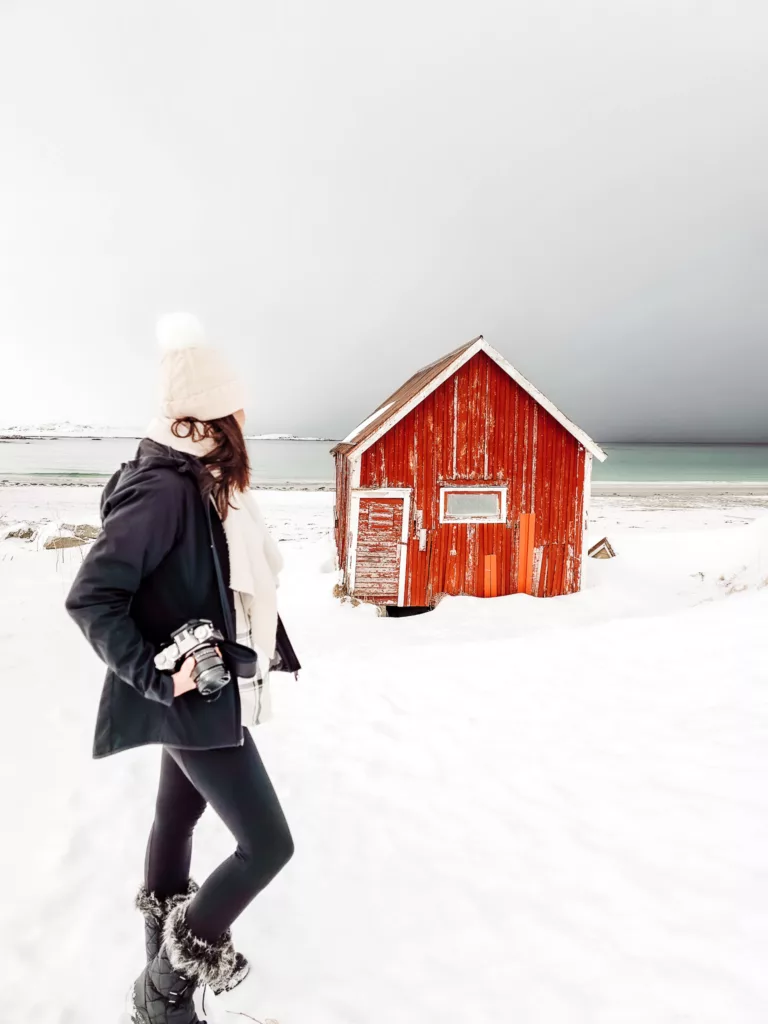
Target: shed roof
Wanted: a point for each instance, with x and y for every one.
(428, 379)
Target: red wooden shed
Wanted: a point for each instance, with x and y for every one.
(466, 480)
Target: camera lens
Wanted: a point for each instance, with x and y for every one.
(210, 673)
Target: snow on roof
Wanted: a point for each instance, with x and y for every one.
(428, 379)
(374, 415)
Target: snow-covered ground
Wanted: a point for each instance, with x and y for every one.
(544, 812)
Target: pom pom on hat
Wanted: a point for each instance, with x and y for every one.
(180, 330)
(197, 381)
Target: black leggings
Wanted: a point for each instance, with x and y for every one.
(235, 783)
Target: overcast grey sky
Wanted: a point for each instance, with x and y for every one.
(345, 191)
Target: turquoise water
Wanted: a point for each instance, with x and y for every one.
(80, 459)
(683, 462)
(309, 464)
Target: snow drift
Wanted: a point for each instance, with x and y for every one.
(551, 812)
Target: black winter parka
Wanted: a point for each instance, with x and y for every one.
(150, 571)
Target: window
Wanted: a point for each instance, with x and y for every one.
(473, 504)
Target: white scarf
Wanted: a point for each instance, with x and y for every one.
(254, 557)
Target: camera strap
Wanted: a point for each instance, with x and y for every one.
(226, 610)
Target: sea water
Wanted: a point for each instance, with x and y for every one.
(309, 464)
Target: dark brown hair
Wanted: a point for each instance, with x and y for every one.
(227, 460)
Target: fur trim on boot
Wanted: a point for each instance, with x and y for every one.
(148, 904)
(155, 911)
(239, 973)
(207, 963)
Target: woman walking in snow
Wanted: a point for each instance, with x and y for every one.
(184, 540)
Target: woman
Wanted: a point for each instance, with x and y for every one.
(183, 539)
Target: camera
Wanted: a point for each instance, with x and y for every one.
(198, 637)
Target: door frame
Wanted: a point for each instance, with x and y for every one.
(354, 522)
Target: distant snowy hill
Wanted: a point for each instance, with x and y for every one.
(284, 437)
(67, 429)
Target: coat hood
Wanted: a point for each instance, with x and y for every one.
(151, 456)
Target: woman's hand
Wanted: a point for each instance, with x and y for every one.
(182, 680)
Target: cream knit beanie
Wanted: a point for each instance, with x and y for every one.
(195, 379)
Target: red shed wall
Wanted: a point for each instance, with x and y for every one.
(481, 427)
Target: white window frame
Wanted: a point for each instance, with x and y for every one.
(499, 488)
(379, 492)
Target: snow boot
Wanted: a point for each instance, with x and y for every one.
(163, 993)
(155, 912)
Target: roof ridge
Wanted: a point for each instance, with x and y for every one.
(421, 383)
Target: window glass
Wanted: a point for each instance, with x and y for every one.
(473, 504)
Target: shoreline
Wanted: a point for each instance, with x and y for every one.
(640, 488)
(95, 481)
(138, 437)
(600, 489)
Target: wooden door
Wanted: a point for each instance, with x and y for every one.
(380, 550)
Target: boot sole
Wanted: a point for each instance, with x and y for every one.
(233, 982)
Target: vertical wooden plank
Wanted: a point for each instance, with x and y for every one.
(549, 509)
(394, 456)
(545, 469)
(490, 583)
(524, 402)
(461, 550)
(487, 414)
(542, 590)
(520, 448)
(534, 453)
(472, 424)
(492, 418)
(429, 447)
(507, 463)
(555, 476)
(522, 547)
(578, 532)
(529, 454)
(562, 481)
(438, 567)
(478, 396)
(475, 424)
(569, 495)
(566, 504)
(461, 423)
(415, 476)
(572, 499)
(538, 555)
(529, 555)
(525, 557)
(553, 580)
(575, 520)
(458, 559)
